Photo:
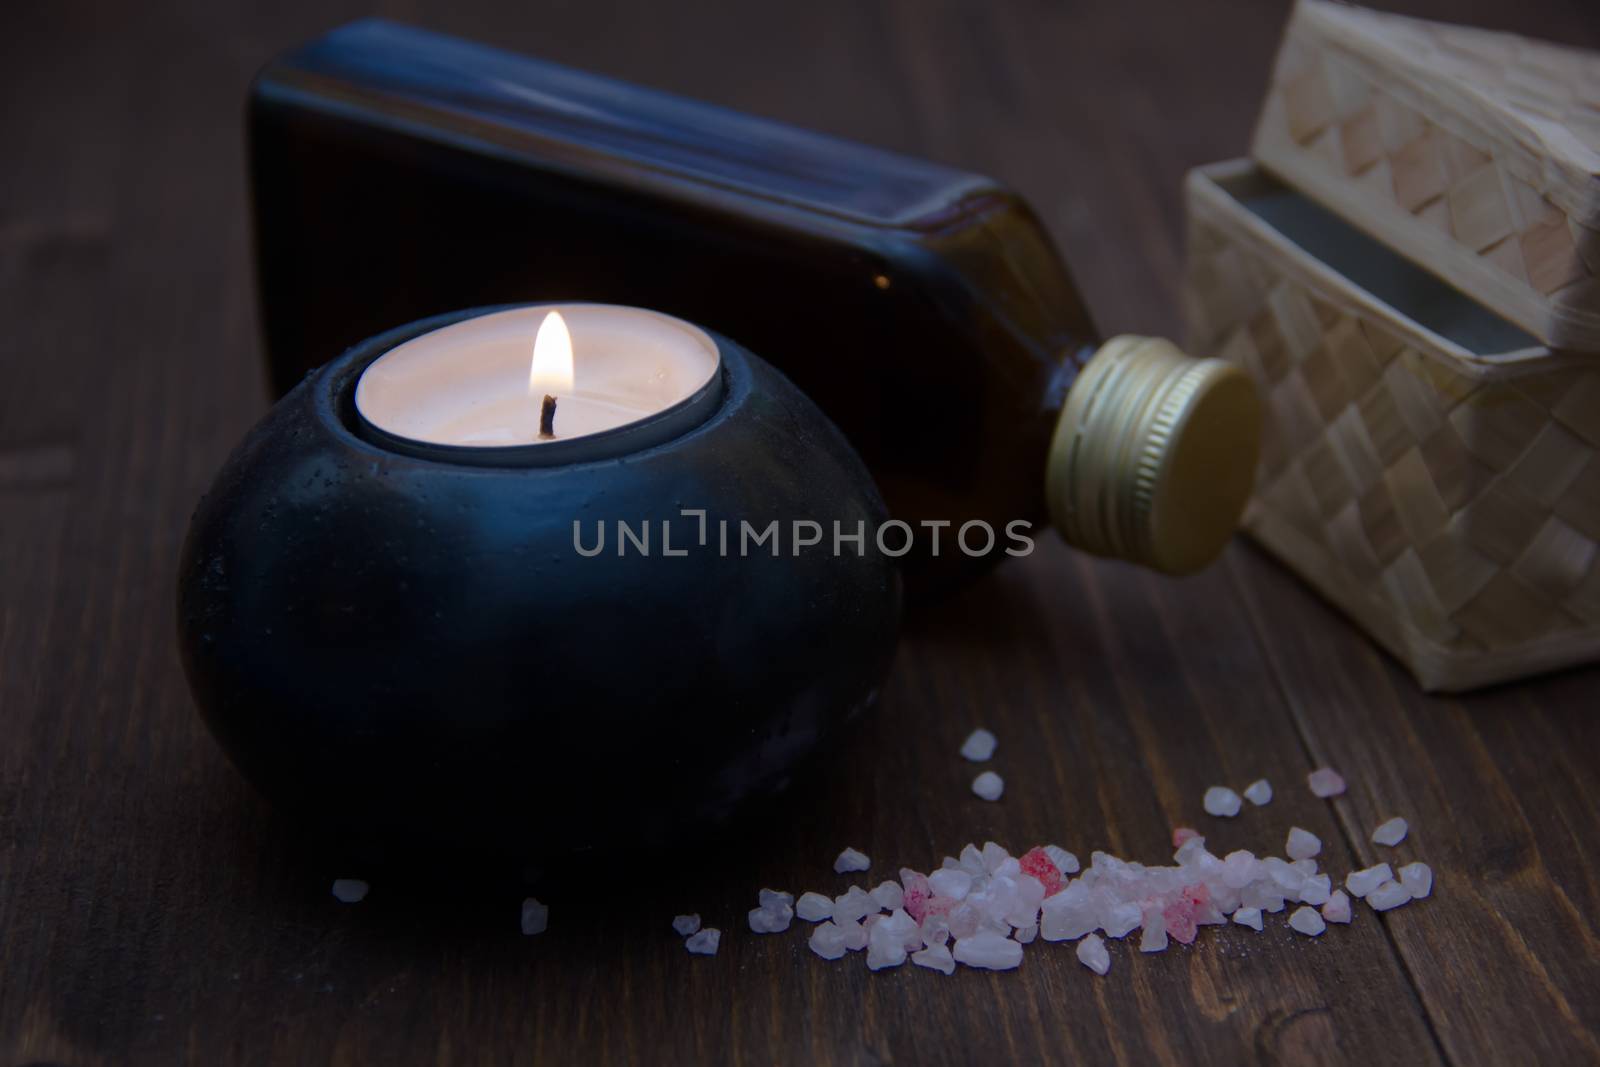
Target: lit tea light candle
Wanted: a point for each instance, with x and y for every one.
(577, 381)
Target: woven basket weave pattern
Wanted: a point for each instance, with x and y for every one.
(1474, 152)
(1453, 508)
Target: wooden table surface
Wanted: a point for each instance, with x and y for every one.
(152, 909)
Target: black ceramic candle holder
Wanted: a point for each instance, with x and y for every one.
(403, 647)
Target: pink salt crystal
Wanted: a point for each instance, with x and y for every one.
(1182, 834)
(1179, 917)
(938, 905)
(916, 893)
(1037, 862)
(1325, 782)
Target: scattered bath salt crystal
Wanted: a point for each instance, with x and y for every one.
(1221, 801)
(1093, 955)
(1306, 921)
(772, 899)
(853, 905)
(1240, 868)
(1316, 891)
(1258, 792)
(954, 884)
(812, 907)
(1037, 863)
(988, 951)
(771, 920)
(535, 917)
(1306, 867)
(1361, 883)
(1026, 935)
(1302, 844)
(885, 948)
(989, 786)
(915, 893)
(855, 935)
(1325, 782)
(684, 925)
(705, 942)
(1391, 833)
(851, 860)
(1182, 835)
(1065, 861)
(1337, 909)
(993, 856)
(889, 895)
(903, 926)
(979, 745)
(349, 890)
(1122, 920)
(935, 958)
(827, 940)
(1390, 894)
(971, 860)
(1154, 938)
(1250, 917)
(1418, 879)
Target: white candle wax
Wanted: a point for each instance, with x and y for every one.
(475, 383)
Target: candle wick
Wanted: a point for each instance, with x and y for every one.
(547, 417)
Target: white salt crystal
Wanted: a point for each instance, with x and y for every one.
(955, 884)
(1155, 936)
(1222, 801)
(889, 895)
(1337, 909)
(851, 860)
(1391, 833)
(994, 855)
(705, 942)
(1250, 917)
(827, 941)
(1390, 894)
(771, 899)
(853, 905)
(1418, 879)
(1258, 792)
(1093, 955)
(1122, 920)
(964, 919)
(1360, 883)
(1239, 869)
(1306, 867)
(1307, 921)
(884, 947)
(1302, 844)
(1027, 933)
(1315, 891)
(935, 958)
(812, 907)
(989, 951)
(771, 920)
(979, 745)
(935, 930)
(349, 890)
(535, 917)
(989, 785)
(972, 860)
(1065, 861)
(899, 924)
(1069, 914)
(685, 925)
(1325, 782)
(855, 935)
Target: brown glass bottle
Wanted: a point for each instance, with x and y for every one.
(398, 174)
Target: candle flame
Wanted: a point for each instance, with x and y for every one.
(551, 371)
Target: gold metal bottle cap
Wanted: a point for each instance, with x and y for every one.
(1154, 455)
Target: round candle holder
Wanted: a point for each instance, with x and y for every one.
(404, 644)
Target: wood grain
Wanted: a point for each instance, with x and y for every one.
(152, 910)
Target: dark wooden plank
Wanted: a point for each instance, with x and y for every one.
(1500, 791)
(152, 910)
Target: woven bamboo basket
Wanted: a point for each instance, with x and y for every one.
(1428, 466)
(1473, 153)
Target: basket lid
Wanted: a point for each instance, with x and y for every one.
(1474, 153)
